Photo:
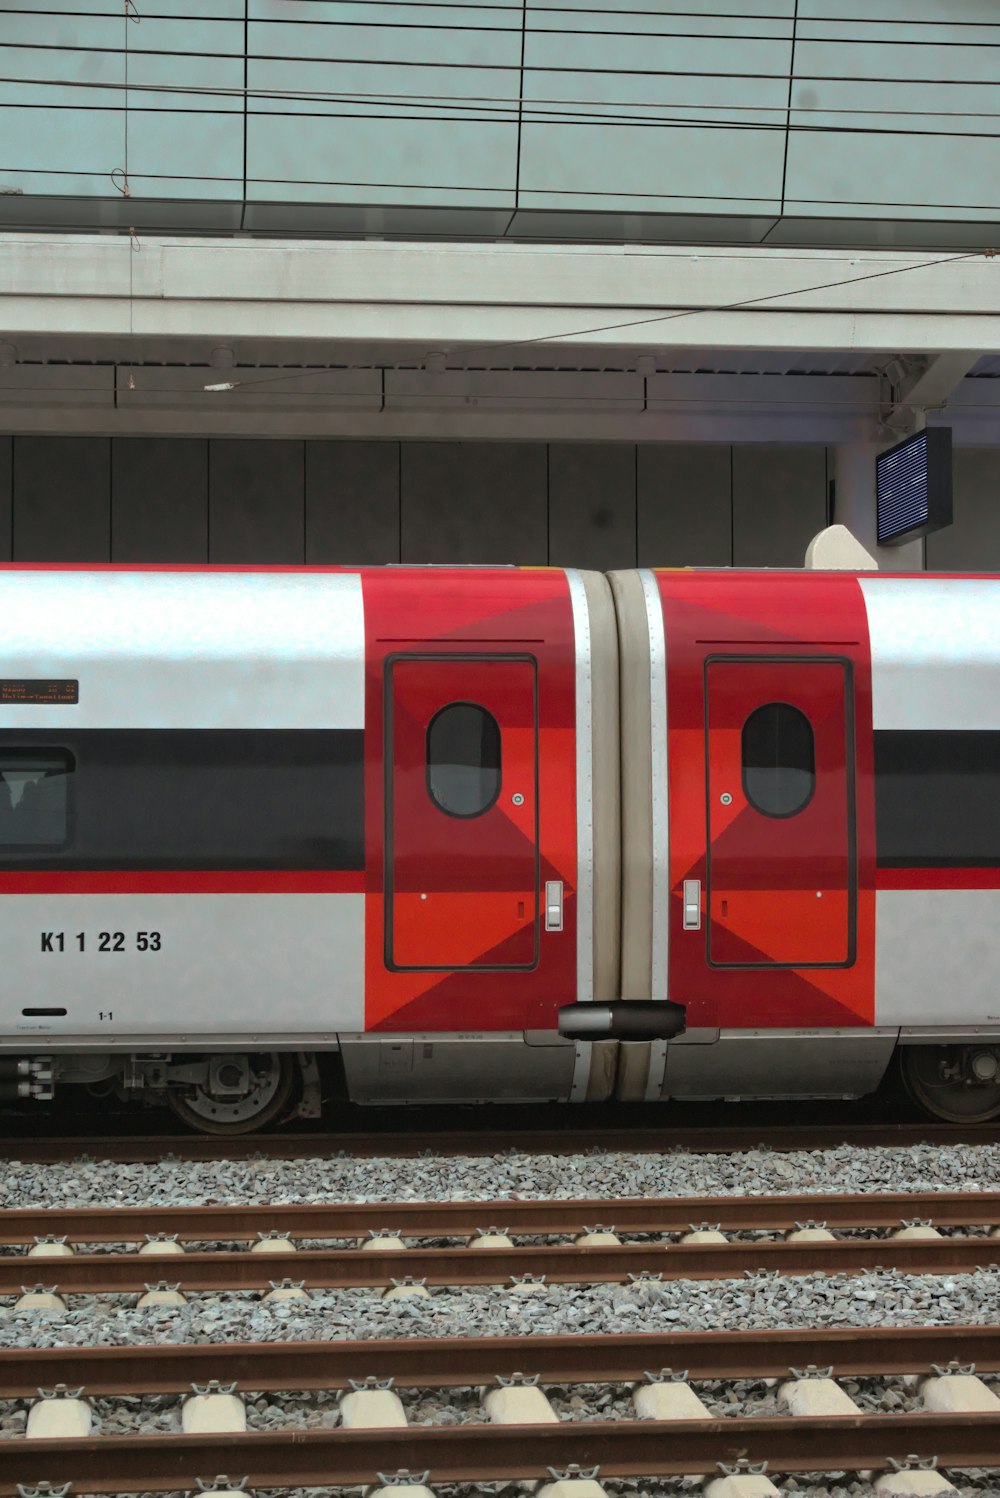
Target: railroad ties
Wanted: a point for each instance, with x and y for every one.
(159, 1255)
(519, 1437)
(380, 1246)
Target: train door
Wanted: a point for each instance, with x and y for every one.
(781, 867)
(461, 797)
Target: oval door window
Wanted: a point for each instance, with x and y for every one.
(463, 759)
(779, 759)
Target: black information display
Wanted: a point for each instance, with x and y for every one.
(38, 693)
(913, 487)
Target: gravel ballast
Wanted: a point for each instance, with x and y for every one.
(883, 1298)
(512, 1174)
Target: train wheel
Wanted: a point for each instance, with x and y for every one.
(960, 1084)
(265, 1080)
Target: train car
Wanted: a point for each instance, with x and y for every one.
(811, 826)
(496, 834)
(248, 816)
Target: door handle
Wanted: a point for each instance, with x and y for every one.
(692, 905)
(553, 904)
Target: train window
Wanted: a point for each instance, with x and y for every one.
(779, 759)
(463, 759)
(34, 797)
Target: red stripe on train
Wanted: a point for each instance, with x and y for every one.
(937, 878)
(184, 882)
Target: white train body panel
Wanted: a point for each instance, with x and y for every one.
(935, 658)
(126, 957)
(249, 967)
(181, 649)
(935, 652)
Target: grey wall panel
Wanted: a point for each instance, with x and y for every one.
(930, 176)
(779, 503)
(685, 505)
(592, 505)
(256, 501)
(659, 76)
(159, 500)
(352, 502)
(892, 12)
(688, 168)
(972, 544)
(666, 122)
(177, 153)
(62, 499)
(394, 35)
(655, 64)
(712, 15)
(474, 502)
(362, 114)
(6, 496)
(305, 157)
(59, 150)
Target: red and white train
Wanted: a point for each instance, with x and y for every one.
(498, 833)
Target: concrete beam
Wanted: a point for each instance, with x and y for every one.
(435, 297)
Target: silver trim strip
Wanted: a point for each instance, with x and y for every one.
(584, 820)
(46, 1042)
(660, 817)
(584, 791)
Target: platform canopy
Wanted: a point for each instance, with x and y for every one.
(117, 333)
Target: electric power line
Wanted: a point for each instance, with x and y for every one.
(520, 12)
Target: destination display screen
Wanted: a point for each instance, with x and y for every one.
(47, 693)
(913, 487)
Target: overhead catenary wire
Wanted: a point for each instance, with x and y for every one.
(517, 9)
(495, 103)
(477, 66)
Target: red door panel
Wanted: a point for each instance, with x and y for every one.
(782, 880)
(462, 876)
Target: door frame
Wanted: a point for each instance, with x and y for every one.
(389, 765)
(850, 758)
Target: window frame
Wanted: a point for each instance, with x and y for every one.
(777, 816)
(463, 816)
(117, 770)
(10, 850)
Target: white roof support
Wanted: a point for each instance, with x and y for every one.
(507, 340)
(495, 298)
(927, 385)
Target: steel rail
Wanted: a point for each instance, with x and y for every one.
(462, 1218)
(559, 1263)
(457, 1362)
(470, 1453)
(146, 1149)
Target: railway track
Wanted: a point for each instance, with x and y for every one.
(597, 1254)
(324, 1269)
(152, 1149)
(652, 1444)
(468, 1453)
(309, 1246)
(458, 1362)
(534, 1217)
